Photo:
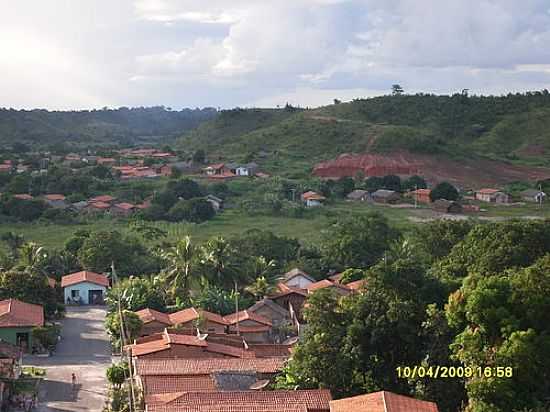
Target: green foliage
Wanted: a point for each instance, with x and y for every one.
(357, 241)
(117, 374)
(435, 240)
(132, 327)
(444, 190)
(100, 249)
(46, 336)
(193, 210)
(24, 210)
(502, 319)
(137, 293)
(414, 182)
(30, 287)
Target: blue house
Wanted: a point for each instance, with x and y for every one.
(84, 288)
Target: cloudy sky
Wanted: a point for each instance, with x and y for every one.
(71, 54)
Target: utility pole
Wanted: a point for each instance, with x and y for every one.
(237, 307)
(415, 196)
(123, 336)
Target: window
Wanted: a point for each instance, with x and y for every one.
(75, 293)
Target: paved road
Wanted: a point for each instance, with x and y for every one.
(83, 350)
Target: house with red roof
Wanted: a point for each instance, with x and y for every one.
(55, 200)
(297, 278)
(17, 320)
(123, 209)
(84, 287)
(313, 199)
(186, 319)
(382, 401)
(326, 283)
(492, 196)
(250, 325)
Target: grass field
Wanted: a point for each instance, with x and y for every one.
(233, 222)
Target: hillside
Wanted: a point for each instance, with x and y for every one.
(107, 126)
(511, 129)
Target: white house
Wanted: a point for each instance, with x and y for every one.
(87, 288)
(298, 279)
(313, 199)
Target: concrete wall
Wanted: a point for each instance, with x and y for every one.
(299, 282)
(83, 289)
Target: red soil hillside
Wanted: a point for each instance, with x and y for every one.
(472, 173)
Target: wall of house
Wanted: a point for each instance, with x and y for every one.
(83, 289)
(10, 335)
(298, 282)
(275, 317)
(213, 327)
(152, 327)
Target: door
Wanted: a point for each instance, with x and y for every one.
(95, 297)
(23, 341)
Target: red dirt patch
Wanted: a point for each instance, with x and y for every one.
(465, 174)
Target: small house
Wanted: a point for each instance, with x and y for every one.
(123, 209)
(270, 310)
(447, 206)
(56, 201)
(103, 199)
(386, 196)
(533, 195)
(313, 199)
(153, 321)
(192, 318)
(215, 169)
(253, 327)
(492, 196)
(359, 196)
(340, 289)
(17, 320)
(422, 195)
(298, 279)
(248, 169)
(87, 288)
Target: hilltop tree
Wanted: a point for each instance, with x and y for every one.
(414, 182)
(396, 90)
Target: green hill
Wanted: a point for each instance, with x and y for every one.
(512, 128)
(106, 126)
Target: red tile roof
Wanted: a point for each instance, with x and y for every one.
(125, 206)
(246, 315)
(84, 276)
(188, 340)
(356, 285)
(169, 367)
(270, 350)
(312, 400)
(325, 283)
(150, 315)
(312, 196)
(99, 205)
(14, 313)
(191, 314)
(158, 384)
(23, 197)
(216, 166)
(382, 402)
(54, 197)
(487, 191)
(102, 198)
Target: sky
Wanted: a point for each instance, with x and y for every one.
(82, 54)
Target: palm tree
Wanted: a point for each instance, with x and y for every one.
(265, 277)
(218, 257)
(32, 258)
(180, 261)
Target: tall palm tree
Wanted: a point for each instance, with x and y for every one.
(14, 242)
(32, 258)
(218, 258)
(180, 261)
(265, 277)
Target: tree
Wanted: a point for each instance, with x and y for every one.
(344, 186)
(117, 374)
(32, 258)
(374, 183)
(193, 210)
(181, 261)
(13, 241)
(357, 241)
(503, 323)
(101, 172)
(444, 190)
(101, 249)
(435, 240)
(132, 327)
(214, 299)
(138, 293)
(396, 90)
(199, 156)
(219, 261)
(184, 188)
(392, 182)
(414, 182)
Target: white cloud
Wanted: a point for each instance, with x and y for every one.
(229, 53)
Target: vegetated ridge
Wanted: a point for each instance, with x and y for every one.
(106, 126)
(499, 138)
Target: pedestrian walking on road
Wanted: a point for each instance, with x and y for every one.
(73, 381)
